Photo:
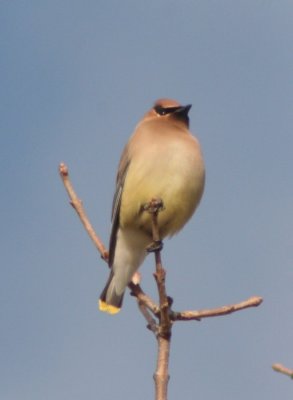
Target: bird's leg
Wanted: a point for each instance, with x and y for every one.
(154, 207)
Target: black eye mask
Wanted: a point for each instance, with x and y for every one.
(164, 111)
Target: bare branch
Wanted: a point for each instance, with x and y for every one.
(136, 291)
(161, 376)
(152, 324)
(216, 312)
(77, 205)
(147, 306)
(154, 207)
(283, 370)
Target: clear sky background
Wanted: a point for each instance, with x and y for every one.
(76, 76)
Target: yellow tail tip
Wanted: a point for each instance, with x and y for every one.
(108, 308)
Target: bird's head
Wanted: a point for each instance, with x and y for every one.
(169, 109)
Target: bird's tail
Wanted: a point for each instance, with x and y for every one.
(111, 300)
(129, 255)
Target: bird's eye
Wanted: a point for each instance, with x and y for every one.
(165, 110)
(161, 110)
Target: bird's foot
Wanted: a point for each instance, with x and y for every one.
(156, 245)
(153, 206)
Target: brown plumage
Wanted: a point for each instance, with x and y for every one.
(161, 160)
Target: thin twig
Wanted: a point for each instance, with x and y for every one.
(161, 376)
(136, 291)
(283, 370)
(153, 208)
(216, 312)
(152, 324)
(78, 206)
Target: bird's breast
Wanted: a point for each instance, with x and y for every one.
(173, 172)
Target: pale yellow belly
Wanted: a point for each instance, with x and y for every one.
(178, 183)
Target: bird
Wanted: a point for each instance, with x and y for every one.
(162, 160)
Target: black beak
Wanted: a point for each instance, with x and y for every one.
(183, 110)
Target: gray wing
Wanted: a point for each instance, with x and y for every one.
(121, 175)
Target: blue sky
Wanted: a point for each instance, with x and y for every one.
(75, 79)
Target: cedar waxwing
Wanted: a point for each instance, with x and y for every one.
(162, 160)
